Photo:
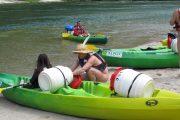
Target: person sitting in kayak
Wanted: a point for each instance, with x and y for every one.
(42, 62)
(79, 30)
(92, 64)
(69, 28)
(175, 21)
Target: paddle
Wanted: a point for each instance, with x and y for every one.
(5, 88)
(89, 47)
(92, 47)
(86, 40)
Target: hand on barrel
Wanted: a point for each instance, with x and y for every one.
(78, 71)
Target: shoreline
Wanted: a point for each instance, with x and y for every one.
(28, 1)
(10, 1)
(49, 1)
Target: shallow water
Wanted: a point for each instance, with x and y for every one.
(27, 30)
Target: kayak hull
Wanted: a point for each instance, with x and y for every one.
(163, 105)
(99, 39)
(136, 58)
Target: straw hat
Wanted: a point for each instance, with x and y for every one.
(82, 49)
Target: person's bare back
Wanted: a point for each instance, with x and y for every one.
(175, 20)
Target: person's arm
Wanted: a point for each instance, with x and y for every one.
(74, 67)
(87, 66)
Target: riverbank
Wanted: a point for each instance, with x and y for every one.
(36, 1)
(27, 1)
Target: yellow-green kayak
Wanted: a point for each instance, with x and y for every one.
(95, 101)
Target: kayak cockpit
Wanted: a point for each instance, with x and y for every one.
(89, 89)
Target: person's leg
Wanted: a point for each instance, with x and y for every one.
(178, 46)
(178, 43)
(96, 75)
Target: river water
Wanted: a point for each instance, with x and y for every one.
(27, 30)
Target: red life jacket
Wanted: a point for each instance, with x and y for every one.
(76, 32)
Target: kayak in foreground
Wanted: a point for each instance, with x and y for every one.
(161, 57)
(99, 38)
(94, 101)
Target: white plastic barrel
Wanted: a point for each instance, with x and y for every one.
(130, 83)
(174, 45)
(52, 79)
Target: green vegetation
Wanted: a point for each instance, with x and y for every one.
(31, 1)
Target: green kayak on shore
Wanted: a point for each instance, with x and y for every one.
(94, 101)
(99, 38)
(160, 57)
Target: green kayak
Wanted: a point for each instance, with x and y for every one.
(161, 57)
(99, 38)
(95, 101)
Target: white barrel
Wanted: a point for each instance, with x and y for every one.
(130, 83)
(174, 45)
(53, 78)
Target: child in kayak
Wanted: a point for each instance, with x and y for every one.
(175, 21)
(92, 64)
(42, 62)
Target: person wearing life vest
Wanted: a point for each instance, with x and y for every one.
(69, 28)
(79, 30)
(92, 64)
(175, 21)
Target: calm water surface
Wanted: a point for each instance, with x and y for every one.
(27, 30)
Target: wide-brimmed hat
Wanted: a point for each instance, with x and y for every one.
(82, 49)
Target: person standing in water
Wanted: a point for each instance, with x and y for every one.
(175, 21)
(92, 65)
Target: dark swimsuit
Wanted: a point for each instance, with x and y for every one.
(100, 67)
